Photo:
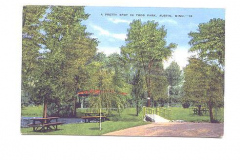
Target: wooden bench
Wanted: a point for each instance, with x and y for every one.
(54, 125)
(42, 126)
(202, 110)
(87, 119)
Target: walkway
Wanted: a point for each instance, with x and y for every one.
(155, 118)
(173, 129)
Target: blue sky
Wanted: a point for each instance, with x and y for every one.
(109, 25)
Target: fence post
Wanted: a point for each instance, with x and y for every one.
(144, 111)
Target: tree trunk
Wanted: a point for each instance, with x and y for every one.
(148, 99)
(149, 83)
(137, 108)
(199, 110)
(44, 109)
(210, 112)
(74, 107)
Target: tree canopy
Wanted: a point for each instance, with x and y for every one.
(66, 49)
(145, 45)
(174, 77)
(209, 41)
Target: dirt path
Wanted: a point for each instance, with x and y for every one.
(173, 129)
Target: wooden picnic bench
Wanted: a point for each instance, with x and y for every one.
(88, 119)
(202, 110)
(43, 124)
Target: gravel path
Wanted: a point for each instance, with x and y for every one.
(173, 129)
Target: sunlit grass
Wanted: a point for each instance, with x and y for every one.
(33, 111)
(126, 118)
(186, 114)
(87, 129)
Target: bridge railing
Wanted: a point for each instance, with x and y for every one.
(161, 111)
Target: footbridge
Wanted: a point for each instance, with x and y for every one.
(156, 114)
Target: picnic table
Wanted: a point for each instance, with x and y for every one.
(90, 116)
(43, 124)
(202, 110)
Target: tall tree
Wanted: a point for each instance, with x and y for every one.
(137, 89)
(174, 76)
(104, 80)
(204, 85)
(209, 43)
(146, 44)
(159, 84)
(67, 49)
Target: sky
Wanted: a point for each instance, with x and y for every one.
(109, 25)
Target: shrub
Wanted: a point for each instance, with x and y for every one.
(186, 104)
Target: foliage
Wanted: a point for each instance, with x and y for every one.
(175, 77)
(174, 74)
(31, 39)
(110, 84)
(138, 90)
(205, 76)
(209, 41)
(159, 88)
(204, 85)
(186, 104)
(146, 45)
(66, 49)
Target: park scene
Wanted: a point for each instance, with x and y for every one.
(123, 71)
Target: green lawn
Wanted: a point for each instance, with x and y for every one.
(126, 119)
(87, 129)
(186, 114)
(33, 111)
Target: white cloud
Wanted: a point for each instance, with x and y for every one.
(108, 34)
(180, 55)
(119, 36)
(168, 21)
(116, 21)
(101, 30)
(109, 50)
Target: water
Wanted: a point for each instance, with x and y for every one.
(26, 120)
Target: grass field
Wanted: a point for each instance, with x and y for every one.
(33, 111)
(126, 119)
(87, 129)
(186, 114)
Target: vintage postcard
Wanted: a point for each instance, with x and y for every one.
(123, 71)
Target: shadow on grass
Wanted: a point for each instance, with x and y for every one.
(45, 131)
(95, 128)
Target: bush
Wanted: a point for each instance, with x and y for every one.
(60, 110)
(186, 104)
